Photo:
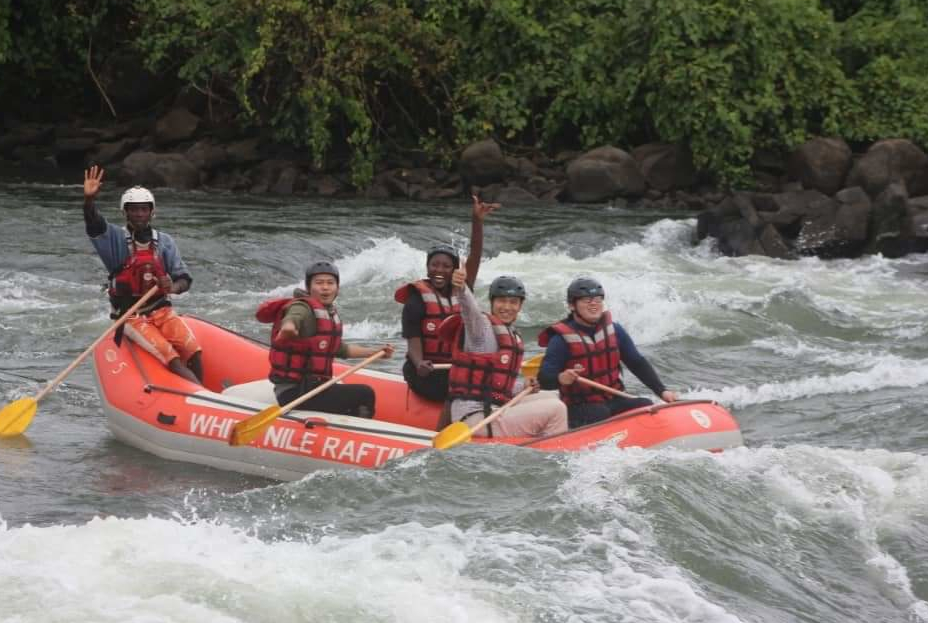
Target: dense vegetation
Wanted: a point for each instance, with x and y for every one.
(369, 79)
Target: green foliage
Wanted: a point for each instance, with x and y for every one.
(354, 81)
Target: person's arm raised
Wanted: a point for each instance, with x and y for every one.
(479, 213)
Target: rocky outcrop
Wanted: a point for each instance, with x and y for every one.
(602, 174)
(821, 164)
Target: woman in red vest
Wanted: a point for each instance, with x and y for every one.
(427, 302)
(305, 340)
(588, 343)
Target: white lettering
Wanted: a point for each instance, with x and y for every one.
(306, 444)
(396, 452)
(274, 436)
(362, 451)
(347, 452)
(215, 427)
(380, 452)
(200, 423)
(329, 446)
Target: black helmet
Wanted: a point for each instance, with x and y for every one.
(447, 250)
(582, 287)
(505, 285)
(322, 268)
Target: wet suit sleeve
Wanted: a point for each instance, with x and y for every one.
(94, 223)
(413, 312)
(173, 262)
(556, 355)
(636, 362)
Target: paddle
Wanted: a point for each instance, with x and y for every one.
(251, 428)
(459, 432)
(530, 369)
(16, 416)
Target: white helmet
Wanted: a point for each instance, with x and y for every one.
(137, 194)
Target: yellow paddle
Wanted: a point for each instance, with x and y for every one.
(251, 428)
(16, 416)
(459, 432)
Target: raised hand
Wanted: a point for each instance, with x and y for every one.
(481, 209)
(93, 181)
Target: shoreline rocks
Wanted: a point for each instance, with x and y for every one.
(822, 199)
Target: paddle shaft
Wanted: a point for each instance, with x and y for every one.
(332, 381)
(512, 402)
(122, 320)
(605, 388)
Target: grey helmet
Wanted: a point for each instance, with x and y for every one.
(583, 287)
(446, 250)
(506, 285)
(322, 268)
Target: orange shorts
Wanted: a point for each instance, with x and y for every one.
(163, 334)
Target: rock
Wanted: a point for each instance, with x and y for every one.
(891, 161)
(483, 163)
(287, 181)
(602, 174)
(709, 222)
(178, 125)
(738, 238)
(821, 164)
(666, 166)
(244, 152)
(206, 155)
(160, 170)
(106, 153)
(773, 244)
(29, 134)
(515, 194)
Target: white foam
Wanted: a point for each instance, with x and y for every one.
(888, 371)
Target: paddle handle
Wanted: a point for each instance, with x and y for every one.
(441, 366)
(512, 402)
(122, 320)
(605, 388)
(332, 381)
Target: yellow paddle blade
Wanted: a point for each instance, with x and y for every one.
(16, 417)
(250, 429)
(451, 435)
(531, 367)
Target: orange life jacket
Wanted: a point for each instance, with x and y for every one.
(484, 377)
(598, 356)
(302, 358)
(437, 308)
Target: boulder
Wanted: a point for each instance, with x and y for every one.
(602, 174)
(206, 155)
(891, 161)
(666, 166)
(821, 164)
(147, 168)
(483, 163)
(178, 125)
(115, 151)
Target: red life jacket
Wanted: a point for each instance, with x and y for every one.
(598, 356)
(137, 275)
(437, 308)
(484, 377)
(302, 358)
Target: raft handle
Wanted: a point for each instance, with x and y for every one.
(166, 419)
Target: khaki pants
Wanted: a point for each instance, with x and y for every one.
(536, 415)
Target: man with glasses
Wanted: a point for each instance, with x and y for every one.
(589, 344)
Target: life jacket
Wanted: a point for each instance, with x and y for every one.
(137, 275)
(437, 308)
(598, 356)
(302, 359)
(484, 377)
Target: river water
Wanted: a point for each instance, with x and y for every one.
(823, 516)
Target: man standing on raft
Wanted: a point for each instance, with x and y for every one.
(139, 257)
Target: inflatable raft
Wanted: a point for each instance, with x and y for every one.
(156, 411)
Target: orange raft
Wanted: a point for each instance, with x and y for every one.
(156, 411)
